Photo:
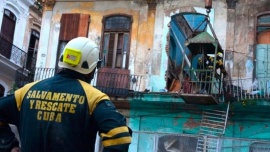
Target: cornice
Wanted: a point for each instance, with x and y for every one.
(48, 4)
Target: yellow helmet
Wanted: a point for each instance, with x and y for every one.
(219, 54)
(80, 54)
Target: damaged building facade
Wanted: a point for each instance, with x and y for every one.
(147, 46)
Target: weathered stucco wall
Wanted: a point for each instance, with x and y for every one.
(241, 36)
(141, 34)
(148, 35)
(153, 114)
(234, 28)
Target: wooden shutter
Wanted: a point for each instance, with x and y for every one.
(111, 51)
(8, 28)
(73, 25)
(83, 25)
(7, 32)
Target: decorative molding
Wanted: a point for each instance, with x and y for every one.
(152, 5)
(231, 4)
(48, 4)
(28, 3)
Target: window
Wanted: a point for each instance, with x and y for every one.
(259, 147)
(32, 50)
(72, 26)
(168, 143)
(263, 28)
(263, 45)
(116, 41)
(7, 32)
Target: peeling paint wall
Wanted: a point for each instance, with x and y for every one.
(141, 35)
(165, 114)
(233, 27)
(241, 36)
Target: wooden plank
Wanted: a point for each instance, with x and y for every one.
(69, 26)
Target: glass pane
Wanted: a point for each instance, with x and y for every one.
(264, 19)
(126, 40)
(105, 48)
(117, 23)
(125, 49)
(263, 28)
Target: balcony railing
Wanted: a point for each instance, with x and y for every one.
(23, 76)
(12, 52)
(43, 73)
(248, 89)
(116, 84)
(204, 82)
(113, 84)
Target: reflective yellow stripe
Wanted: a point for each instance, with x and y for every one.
(93, 95)
(115, 131)
(112, 142)
(19, 94)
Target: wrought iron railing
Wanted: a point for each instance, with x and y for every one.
(43, 73)
(23, 76)
(117, 84)
(113, 86)
(233, 90)
(12, 52)
(248, 89)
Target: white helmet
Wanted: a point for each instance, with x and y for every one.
(80, 54)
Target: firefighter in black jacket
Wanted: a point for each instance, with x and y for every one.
(64, 113)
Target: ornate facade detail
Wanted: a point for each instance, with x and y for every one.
(48, 4)
(231, 3)
(152, 5)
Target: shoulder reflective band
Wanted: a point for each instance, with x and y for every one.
(72, 56)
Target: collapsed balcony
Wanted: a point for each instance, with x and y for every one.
(204, 86)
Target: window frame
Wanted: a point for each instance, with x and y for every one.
(117, 32)
(266, 13)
